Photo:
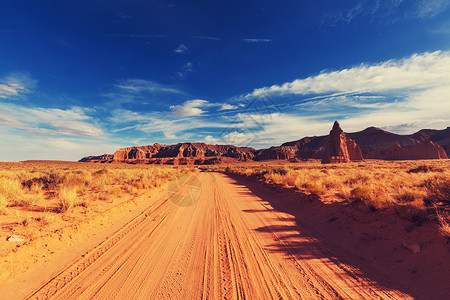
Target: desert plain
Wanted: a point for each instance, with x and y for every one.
(245, 230)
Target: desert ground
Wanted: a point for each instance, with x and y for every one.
(271, 230)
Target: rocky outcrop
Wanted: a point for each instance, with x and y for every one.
(340, 148)
(424, 150)
(376, 143)
(309, 147)
(100, 158)
(282, 152)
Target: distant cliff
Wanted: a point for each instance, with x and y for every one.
(372, 143)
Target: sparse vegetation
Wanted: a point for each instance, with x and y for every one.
(67, 197)
(407, 187)
(34, 195)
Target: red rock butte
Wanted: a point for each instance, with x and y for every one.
(340, 148)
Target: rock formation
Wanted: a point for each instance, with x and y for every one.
(100, 158)
(340, 148)
(424, 150)
(374, 143)
(282, 152)
(182, 153)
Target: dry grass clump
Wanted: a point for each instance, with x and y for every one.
(67, 197)
(438, 188)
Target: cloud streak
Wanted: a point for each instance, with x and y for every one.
(137, 86)
(250, 40)
(210, 38)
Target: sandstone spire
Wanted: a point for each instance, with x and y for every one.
(340, 148)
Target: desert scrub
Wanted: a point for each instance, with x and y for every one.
(67, 197)
(438, 188)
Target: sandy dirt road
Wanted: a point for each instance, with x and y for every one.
(221, 245)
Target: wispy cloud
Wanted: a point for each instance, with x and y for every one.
(182, 48)
(189, 108)
(49, 121)
(141, 85)
(135, 89)
(185, 69)
(137, 35)
(173, 126)
(16, 84)
(211, 38)
(383, 11)
(430, 8)
(249, 40)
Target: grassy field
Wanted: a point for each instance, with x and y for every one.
(41, 197)
(416, 190)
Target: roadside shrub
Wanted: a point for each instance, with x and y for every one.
(260, 173)
(406, 197)
(424, 169)
(361, 193)
(280, 171)
(444, 226)
(76, 179)
(67, 198)
(410, 212)
(438, 188)
(3, 204)
(49, 181)
(11, 189)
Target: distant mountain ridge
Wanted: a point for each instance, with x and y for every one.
(374, 143)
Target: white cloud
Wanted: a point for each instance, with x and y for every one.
(419, 71)
(10, 89)
(189, 108)
(226, 106)
(16, 84)
(182, 48)
(248, 40)
(48, 121)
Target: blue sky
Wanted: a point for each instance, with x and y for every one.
(87, 77)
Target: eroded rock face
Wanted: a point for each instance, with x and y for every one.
(340, 148)
(424, 150)
(182, 153)
(100, 158)
(282, 152)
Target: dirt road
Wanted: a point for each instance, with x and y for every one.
(223, 242)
